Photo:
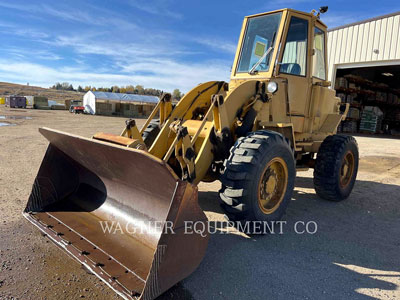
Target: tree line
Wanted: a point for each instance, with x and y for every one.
(129, 89)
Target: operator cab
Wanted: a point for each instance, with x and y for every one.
(281, 42)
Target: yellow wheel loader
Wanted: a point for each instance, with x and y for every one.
(277, 115)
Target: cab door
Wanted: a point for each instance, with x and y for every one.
(294, 66)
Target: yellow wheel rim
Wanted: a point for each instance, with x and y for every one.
(272, 185)
(347, 169)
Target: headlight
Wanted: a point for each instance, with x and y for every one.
(272, 87)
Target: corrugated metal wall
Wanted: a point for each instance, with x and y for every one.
(358, 42)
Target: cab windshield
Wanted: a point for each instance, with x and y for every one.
(260, 32)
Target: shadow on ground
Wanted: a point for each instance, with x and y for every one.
(354, 238)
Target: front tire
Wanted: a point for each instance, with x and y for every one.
(258, 179)
(336, 167)
(150, 133)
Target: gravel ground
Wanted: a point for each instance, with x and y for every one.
(354, 254)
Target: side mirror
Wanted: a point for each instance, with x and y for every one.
(323, 9)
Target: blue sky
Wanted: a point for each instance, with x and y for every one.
(162, 44)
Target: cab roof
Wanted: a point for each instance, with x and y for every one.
(291, 10)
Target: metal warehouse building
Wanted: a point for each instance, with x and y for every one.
(127, 105)
(364, 68)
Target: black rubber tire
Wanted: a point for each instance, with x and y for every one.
(328, 167)
(243, 169)
(151, 132)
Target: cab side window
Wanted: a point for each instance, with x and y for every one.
(294, 60)
(319, 54)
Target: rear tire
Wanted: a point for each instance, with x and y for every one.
(336, 167)
(151, 132)
(258, 180)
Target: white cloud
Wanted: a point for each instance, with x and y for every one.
(146, 47)
(24, 7)
(217, 44)
(14, 29)
(33, 34)
(31, 53)
(97, 17)
(156, 7)
(71, 15)
(151, 58)
(136, 62)
(163, 74)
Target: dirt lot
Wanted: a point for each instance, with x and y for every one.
(354, 254)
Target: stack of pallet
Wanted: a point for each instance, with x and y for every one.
(381, 96)
(351, 98)
(129, 110)
(393, 99)
(341, 82)
(54, 105)
(351, 123)
(349, 127)
(342, 97)
(354, 113)
(147, 109)
(40, 102)
(371, 119)
(103, 108)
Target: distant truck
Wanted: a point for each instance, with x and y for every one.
(76, 107)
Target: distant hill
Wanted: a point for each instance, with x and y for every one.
(27, 90)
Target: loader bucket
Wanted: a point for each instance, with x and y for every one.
(85, 187)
